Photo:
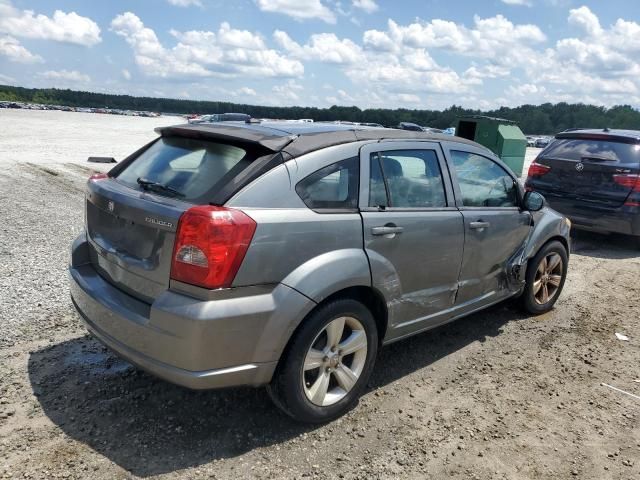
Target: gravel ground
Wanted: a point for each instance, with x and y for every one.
(498, 395)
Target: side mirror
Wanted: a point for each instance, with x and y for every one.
(533, 201)
(101, 160)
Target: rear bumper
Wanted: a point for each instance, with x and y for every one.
(233, 340)
(585, 216)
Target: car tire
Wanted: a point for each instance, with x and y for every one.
(545, 277)
(302, 373)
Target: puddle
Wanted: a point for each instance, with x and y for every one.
(96, 361)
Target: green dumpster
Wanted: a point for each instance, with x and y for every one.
(503, 137)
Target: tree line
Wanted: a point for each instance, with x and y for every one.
(534, 119)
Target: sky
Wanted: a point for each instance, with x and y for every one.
(421, 54)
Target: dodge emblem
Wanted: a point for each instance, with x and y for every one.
(579, 167)
(110, 206)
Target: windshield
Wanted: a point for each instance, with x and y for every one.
(192, 169)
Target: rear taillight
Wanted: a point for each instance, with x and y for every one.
(537, 169)
(98, 176)
(210, 245)
(628, 180)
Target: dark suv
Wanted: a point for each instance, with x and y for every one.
(593, 177)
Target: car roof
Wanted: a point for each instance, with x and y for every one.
(298, 138)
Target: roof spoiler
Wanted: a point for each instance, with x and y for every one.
(228, 133)
(612, 137)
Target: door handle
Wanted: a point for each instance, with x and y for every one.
(386, 230)
(479, 225)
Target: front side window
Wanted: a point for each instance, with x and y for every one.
(483, 182)
(334, 187)
(406, 179)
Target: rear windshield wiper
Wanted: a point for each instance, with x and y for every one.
(158, 187)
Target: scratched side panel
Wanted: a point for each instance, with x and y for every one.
(416, 271)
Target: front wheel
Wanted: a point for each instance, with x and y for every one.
(327, 363)
(545, 278)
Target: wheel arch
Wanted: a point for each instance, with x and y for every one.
(367, 295)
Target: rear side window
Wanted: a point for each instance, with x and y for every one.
(334, 187)
(193, 170)
(587, 149)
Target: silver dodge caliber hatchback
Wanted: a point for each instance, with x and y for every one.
(286, 254)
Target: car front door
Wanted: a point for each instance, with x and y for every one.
(496, 228)
(413, 232)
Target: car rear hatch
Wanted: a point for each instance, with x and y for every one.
(588, 169)
(132, 215)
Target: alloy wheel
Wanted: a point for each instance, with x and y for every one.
(334, 362)
(548, 278)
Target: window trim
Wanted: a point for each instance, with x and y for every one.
(379, 147)
(455, 147)
(333, 210)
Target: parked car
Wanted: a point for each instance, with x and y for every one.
(414, 127)
(286, 254)
(221, 117)
(531, 141)
(593, 177)
(542, 142)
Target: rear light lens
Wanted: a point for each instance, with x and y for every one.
(98, 176)
(628, 180)
(537, 169)
(210, 245)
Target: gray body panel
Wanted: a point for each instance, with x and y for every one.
(435, 271)
(127, 248)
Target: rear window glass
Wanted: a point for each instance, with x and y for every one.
(189, 169)
(586, 149)
(334, 187)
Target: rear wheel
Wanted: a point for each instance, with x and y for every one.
(545, 278)
(327, 363)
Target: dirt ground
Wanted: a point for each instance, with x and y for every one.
(498, 395)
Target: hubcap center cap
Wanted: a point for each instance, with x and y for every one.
(333, 360)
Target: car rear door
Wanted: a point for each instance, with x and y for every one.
(592, 169)
(496, 229)
(413, 232)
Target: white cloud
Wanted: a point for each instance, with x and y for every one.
(126, 74)
(246, 91)
(288, 92)
(525, 90)
(62, 27)
(368, 6)
(489, 38)
(584, 18)
(72, 76)
(226, 53)
(377, 40)
(526, 3)
(14, 51)
(298, 9)
(322, 47)
(185, 3)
